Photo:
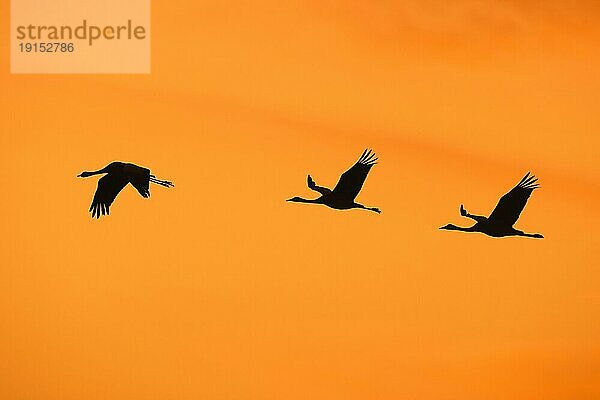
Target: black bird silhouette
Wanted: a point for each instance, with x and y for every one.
(501, 220)
(343, 195)
(118, 175)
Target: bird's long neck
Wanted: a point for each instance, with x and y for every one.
(301, 200)
(97, 172)
(85, 174)
(460, 228)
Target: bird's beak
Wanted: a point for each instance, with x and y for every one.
(288, 200)
(79, 176)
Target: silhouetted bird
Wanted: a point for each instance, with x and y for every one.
(501, 220)
(118, 175)
(343, 195)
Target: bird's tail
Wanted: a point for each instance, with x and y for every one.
(161, 183)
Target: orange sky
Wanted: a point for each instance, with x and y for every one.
(218, 289)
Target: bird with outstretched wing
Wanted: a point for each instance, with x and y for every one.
(343, 195)
(118, 175)
(505, 214)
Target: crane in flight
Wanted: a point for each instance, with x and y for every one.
(344, 193)
(505, 215)
(117, 176)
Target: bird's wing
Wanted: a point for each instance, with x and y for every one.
(139, 177)
(352, 180)
(109, 187)
(511, 205)
(312, 185)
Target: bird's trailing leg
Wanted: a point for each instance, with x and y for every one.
(374, 209)
(159, 182)
(464, 213)
(531, 235)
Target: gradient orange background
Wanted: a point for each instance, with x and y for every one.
(218, 289)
